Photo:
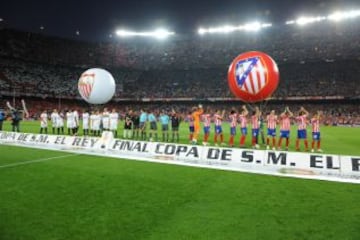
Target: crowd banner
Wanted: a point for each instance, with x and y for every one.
(279, 163)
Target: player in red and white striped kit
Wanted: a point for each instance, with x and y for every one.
(271, 120)
(302, 124)
(255, 125)
(315, 123)
(206, 117)
(218, 117)
(285, 126)
(233, 123)
(243, 125)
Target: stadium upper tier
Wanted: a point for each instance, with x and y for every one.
(319, 60)
(318, 42)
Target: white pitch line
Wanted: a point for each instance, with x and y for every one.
(36, 161)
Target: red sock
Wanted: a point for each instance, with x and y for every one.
(306, 144)
(206, 137)
(318, 144)
(287, 142)
(191, 136)
(279, 143)
(253, 141)
(221, 138)
(231, 141)
(297, 143)
(242, 140)
(215, 139)
(273, 142)
(312, 144)
(267, 141)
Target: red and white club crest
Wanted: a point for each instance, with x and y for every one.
(86, 83)
(253, 76)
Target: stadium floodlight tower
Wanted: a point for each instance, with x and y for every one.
(339, 16)
(159, 33)
(248, 27)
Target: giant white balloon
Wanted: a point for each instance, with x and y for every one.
(96, 86)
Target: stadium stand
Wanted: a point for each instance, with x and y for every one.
(320, 64)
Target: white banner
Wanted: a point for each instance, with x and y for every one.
(280, 163)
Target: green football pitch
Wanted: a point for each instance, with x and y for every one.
(57, 195)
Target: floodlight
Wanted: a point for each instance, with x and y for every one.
(290, 22)
(159, 33)
(338, 16)
(249, 27)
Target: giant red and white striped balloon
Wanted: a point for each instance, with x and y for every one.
(253, 76)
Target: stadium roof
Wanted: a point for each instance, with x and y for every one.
(98, 20)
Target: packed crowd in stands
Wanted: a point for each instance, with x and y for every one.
(309, 79)
(317, 62)
(325, 42)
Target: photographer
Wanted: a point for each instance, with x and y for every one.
(16, 117)
(2, 118)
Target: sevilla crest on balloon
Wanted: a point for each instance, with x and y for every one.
(253, 76)
(85, 85)
(96, 86)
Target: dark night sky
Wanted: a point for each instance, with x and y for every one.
(97, 19)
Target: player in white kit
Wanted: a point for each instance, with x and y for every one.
(60, 122)
(91, 122)
(76, 122)
(43, 122)
(95, 121)
(114, 120)
(105, 120)
(85, 121)
(54, 118)
(70, 122)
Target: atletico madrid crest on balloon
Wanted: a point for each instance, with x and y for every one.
(253, 76)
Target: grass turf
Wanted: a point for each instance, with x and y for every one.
(90, 197)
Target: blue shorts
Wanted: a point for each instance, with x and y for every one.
(206, 130)
(316, 136)
(218, 129)
(284, 133)
(271, 132)
(255, 132)
(243, 131)
(233, 131)
(301, 134)
(192, 129)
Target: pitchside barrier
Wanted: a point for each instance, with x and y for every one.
(280, 163)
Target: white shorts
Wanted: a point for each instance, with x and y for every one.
(85, 124)
(70, 124)
(113, 125)
(105, 123)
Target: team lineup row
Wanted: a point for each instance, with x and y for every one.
(257, 122)
(144, 125)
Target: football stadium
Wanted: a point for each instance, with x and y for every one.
(180, 120)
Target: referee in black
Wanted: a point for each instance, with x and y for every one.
(175, 122)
